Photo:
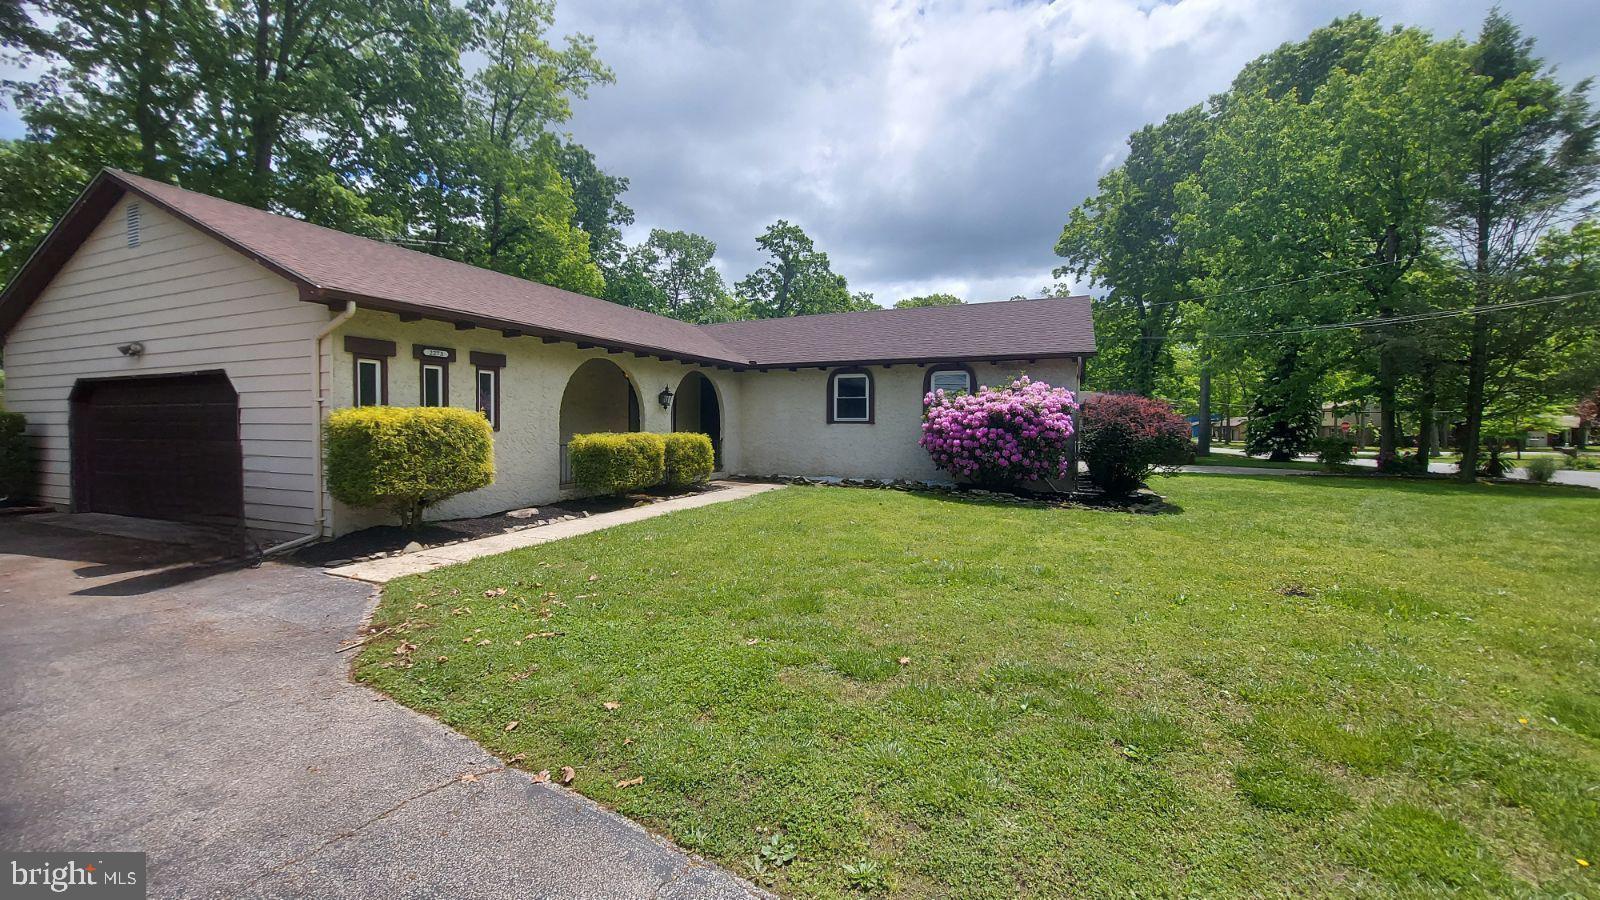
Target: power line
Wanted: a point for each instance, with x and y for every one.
(1430, 316)
(1267, 287)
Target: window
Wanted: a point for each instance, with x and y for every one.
(850, 396)
(371, 369)
(489, 395)
(369, 382)
(433, 393)
(949, 380)
(486, 385)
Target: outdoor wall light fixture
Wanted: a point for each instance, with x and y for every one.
(131, 350)
(665, 397)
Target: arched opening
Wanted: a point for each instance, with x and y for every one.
(599, 397)
(695, 407)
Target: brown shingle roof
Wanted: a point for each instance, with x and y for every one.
(344, 264)
(1017, 329)
(332, 267)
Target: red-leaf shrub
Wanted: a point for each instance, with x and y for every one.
(1001, 437)
(1126, 437)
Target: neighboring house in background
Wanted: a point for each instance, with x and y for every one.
(175, 355)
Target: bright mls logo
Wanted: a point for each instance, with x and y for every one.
(104, 876)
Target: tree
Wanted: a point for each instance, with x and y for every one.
(38, 183)
(1330, 203)
(527, 85)
(1283, 419)
(1532, 159)
(1125, 238)
(599, 211)
(797, 279)
(671, 274)
(929, 300)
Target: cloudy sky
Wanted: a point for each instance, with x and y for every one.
(932, 146)
(936, 145)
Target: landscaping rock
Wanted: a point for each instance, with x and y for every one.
(527, 513)
(336, 563)
(411, 547)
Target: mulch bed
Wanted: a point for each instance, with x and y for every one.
(1086, 496)
(392, 540)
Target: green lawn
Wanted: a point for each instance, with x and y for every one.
(1292, 686)
(1251, 462)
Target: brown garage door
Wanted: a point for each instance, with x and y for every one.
(164, 447)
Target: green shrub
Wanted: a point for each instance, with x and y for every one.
(407, 459)
(1334, 451)
(689, 458)
(16, 457)
(608, 463)
(1542, 468)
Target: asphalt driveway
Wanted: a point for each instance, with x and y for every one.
(200, 713)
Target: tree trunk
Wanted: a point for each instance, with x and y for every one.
(1203, 438)
(1425, 422)
(1387, 376)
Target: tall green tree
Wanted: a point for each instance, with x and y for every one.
(1336, 199)
(526, 86)
(929, 300)
(1531, 160)
(597, 198)
(797, 279)
(671, 274)
(38, 184)
(1125, 239)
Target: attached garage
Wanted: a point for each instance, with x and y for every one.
(161, 447)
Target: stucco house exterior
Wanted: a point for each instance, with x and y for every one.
(175, 355)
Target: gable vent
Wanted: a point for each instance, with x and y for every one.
(133, 225)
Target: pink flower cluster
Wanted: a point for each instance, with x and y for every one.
(1001, 436)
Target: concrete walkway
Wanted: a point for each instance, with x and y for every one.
(380, 571)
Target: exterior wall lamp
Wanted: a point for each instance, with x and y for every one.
(130, 350)
(665, 398)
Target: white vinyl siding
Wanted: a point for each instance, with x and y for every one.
(195, 305)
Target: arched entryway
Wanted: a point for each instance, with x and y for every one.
(599, 397)
(696, 407)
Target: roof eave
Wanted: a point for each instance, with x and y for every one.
(919, 360)
(383, 304)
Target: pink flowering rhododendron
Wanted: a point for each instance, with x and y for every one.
(1001, 436)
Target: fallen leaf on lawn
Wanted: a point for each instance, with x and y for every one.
(470, 777)
(543, 777)
(752, 641)
(467, 639)
(627, 741)
(567, 774)
(485, 642)
(511, 725)
(404, 647)
(631, 782)
(420, 606)
(905, 660)
(542, 634)
(516, 759)
(495, 592)
(594, 577)
(442, 659)
(611, 704)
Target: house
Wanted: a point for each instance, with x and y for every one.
(175, 355)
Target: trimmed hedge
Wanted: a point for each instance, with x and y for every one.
(407, 459)
(16, 457)
(690, 458)
(608, 463)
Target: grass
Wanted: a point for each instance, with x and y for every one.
(1291, 686)
(1251, 462)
